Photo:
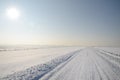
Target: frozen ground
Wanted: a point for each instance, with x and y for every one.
(67, 63)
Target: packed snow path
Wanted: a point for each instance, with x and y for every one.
(89, 64)
(84, 64)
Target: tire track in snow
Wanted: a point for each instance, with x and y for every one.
(87, 65)
(67, 72)
(58, 67)
(100, 70)
(111, 69)
(56, 70)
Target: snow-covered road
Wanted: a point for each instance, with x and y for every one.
(89, 64)
(81, 64)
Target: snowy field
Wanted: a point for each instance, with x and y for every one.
(59, 63)
(17, 58)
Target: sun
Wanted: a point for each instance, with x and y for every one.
(13, 13)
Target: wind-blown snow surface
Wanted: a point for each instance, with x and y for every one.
(89, 63)
(18, 58)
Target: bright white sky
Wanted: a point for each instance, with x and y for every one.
(60, 22)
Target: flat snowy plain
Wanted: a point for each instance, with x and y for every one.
(59, 63)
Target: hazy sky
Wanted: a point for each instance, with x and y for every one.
(61, 22)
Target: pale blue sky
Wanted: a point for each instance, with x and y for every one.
(61, 22)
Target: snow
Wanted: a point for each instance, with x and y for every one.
(114, 50)
(17, 58)
(89, 64)
(62, 63)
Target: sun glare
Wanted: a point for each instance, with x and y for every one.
(13, 13)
